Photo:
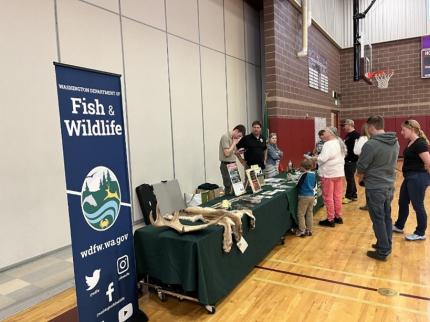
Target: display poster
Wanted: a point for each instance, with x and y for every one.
(253, 180)
(236, 182)
(317, 72)
(98, 196)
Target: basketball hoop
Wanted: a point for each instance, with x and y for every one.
(382, 77)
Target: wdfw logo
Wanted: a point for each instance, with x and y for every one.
(100, 198)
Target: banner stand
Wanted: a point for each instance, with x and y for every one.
(98, 194)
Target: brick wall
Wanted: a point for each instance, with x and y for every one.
(292, 104)
(286, 75)
(406, 95)
(291, 99)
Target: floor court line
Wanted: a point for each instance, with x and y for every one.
(343, 297)
(339, 283)
(351, 232)
(348, 273)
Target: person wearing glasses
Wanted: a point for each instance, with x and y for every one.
(416, 173)
(227, 154)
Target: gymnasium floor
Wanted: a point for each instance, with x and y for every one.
(32, 282)
(326, 277)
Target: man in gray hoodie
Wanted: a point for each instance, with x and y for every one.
(376, 169)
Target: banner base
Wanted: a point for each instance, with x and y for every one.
(140, 316)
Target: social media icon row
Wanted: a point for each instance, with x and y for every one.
(122, 265)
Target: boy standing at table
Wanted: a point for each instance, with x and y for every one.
(306, 197)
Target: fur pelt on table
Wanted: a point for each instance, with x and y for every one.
(230, 220)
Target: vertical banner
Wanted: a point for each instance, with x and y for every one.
(95, 160)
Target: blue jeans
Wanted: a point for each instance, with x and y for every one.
(413, 190)
(379, 204)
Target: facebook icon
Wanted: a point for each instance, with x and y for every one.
(109, 291)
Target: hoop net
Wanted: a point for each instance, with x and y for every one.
(382, 77)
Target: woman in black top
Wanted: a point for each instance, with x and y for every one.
(416, 172)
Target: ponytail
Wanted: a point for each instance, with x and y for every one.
(421, 134)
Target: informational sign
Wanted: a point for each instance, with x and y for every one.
(425, 63)
(318, 75)
(253, 180)
(236, 182)
(95, 161)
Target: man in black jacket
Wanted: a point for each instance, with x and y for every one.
(350, 161)
(255, 147)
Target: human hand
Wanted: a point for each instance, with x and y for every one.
(236, 141)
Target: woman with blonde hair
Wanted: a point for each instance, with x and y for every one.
(331, 163)
(274, 156)
(416, 173)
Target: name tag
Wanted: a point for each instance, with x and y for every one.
(242, 245)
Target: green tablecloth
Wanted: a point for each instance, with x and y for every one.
(292, 197)
(196, 260)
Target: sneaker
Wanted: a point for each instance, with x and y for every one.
(327, 223)
(308, 233)
(346, 201)
(397, 230)
(338, 220)
(365, 208)
(373, 254)
(413, 237)
(300, 233)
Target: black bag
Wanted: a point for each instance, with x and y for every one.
(208, 186)
(147, 201)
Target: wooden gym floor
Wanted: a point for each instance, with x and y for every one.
(326, 277)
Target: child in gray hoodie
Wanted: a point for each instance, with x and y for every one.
(376, 168)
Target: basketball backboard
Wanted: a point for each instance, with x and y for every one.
(366, 60)
(362, 45)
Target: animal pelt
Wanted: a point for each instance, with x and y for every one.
(230, 220)
(205, 212)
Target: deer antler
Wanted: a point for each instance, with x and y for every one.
(175, 224)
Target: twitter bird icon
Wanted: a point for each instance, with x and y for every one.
(93, 280)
